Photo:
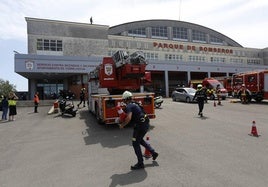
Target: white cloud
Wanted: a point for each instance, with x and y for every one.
(227, 17)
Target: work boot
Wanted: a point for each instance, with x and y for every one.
(155, 155)
(201, 114)
(137, 166)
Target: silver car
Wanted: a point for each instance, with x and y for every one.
(183, 94)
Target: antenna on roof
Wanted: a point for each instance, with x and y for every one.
(180, 11)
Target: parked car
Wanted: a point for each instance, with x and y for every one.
(183, 94)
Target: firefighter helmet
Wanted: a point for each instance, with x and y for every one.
(126, 95)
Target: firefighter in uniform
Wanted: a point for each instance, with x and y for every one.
(218, 92)
(82, 97)
(244, 94)
(201, 97)
(137, 116)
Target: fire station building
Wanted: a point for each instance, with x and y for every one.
(61, 54)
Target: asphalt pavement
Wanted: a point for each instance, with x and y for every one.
(44, 150)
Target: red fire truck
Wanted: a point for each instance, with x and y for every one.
(111, 78)
(210, 84)
(256, 82)
(227, 83)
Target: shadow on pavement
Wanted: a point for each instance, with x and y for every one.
(107, 135)
(131, 177)
(128, 178)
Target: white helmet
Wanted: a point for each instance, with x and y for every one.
(126, 95)
(199, 86)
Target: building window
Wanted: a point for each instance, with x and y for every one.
(180, 33)
(215, 40)
(253, 61)
(40, 44)
(217, 59)
(152, 56)
(140, 32)
(46, 45)
(49, 45)
(195, 58)
(173, 57)
(198, 36)
(159, 32)
(236, 61)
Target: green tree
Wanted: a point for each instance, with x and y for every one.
(6, 87)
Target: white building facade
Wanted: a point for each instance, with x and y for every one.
(61, 54)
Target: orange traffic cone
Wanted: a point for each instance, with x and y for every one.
(254, 131)
(121, 113)
(147, 153)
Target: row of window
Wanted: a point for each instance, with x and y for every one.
(179, 33)
(137, 32)
(173, 57)
(253, 61)
(56, 45)
(152, 56)
(49, 45)
(236, 60)
(196, 58)
(217, 59)
(159, 32)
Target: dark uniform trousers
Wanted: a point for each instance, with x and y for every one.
(201, 103)
(140, 129)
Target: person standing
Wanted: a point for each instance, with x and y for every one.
(218, 92)
(137, 116)
(36, 101)
(82, 97)
(4, 108)
(244, 94)
(12, 102)
(201, 97)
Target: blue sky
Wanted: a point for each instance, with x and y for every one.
(245, 21)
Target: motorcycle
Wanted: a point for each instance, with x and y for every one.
(67, 108)
(158, 100)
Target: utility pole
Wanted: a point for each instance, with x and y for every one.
(180, 11)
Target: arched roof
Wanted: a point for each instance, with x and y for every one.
(124, 28)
